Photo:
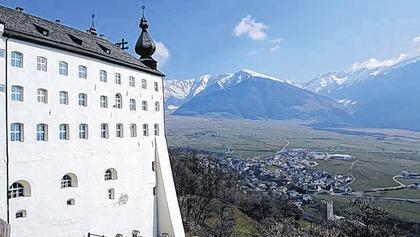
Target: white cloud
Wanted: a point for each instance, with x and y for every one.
(416, 39)
(274, 48)
(249, 26)
(162, 54)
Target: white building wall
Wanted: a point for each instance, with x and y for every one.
(3, 185)
(43, 163)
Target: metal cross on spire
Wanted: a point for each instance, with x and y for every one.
(122, 44)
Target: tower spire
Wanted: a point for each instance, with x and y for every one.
(145, 47)
(92, 28)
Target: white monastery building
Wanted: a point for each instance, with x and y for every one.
(82, 135)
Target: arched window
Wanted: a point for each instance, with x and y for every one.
(64, 132)
(41, 132)
(82, 72)
(157, 106)
(132, 81)
(133, 104)
(104, 130)
(21, 214)
(69, 180)
(19, 188)
(17, 59)
(103, 101)
(17, 93)
(120, 130)
(16, 132)
(70, 202)
(156, 127)
(42, 96)
(145, 129)
(41, 64)
(118, 78)
(118, 101)
(82, 99)
(144, 105)
(63, 68)
(110, 174)
(83, 131)
(133, 130)
(103, 77)
(143, 84)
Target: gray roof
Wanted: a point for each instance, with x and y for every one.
(23, 26)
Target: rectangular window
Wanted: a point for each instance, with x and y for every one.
(64, 132)
(145, 130)
(143, 84)
(156, 129)
(82, 99)
(120, 132)
(16, 132)
(144, 105)
(157, 106)
(132, 104)
(42, 96)
(41, 64)
(83, 131)
(41, 132)
(117, 78)
(17, 93)
(2, 53)
(2, 88)
(82, 72)
(63, 68)
(132, 82)
(17, 59)
(103, 101)
(104, 130)
(103, 76)
(64, 97)
(156, 86)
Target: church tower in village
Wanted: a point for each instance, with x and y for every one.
(82, 134)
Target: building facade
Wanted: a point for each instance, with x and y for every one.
(82, 136)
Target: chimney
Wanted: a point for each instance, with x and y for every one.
(19, 9)
(102, 36)
(58, 21)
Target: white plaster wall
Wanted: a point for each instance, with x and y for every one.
(169, 216)
(43, 163)
(3, 185)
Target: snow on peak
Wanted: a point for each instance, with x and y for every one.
(252, 73)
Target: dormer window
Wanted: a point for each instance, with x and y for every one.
(42, 30)
(75, 39)
(105, 49)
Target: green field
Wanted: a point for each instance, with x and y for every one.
(381, 153)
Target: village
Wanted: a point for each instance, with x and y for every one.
(290, 173)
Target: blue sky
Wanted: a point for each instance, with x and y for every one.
(293, 39)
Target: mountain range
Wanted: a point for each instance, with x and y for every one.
(251, 95)
(370, 94)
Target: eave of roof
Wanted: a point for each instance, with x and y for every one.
(27, 34)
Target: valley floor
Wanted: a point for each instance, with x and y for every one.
(381, 154)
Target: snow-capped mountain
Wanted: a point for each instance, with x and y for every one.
(251, 95)
(177, 92)
(377, 94)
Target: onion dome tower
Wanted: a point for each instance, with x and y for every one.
(145, 47)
